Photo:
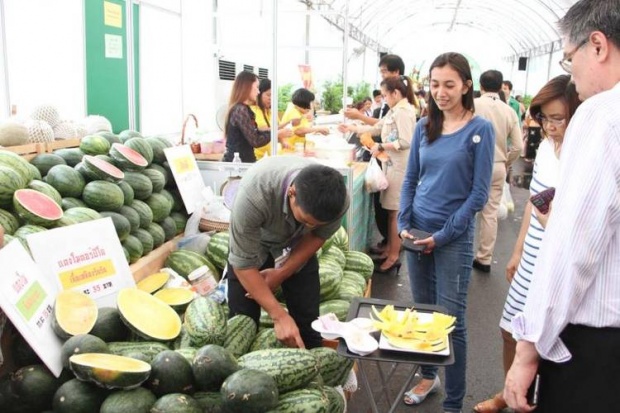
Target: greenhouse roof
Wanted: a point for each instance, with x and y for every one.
(517, 27)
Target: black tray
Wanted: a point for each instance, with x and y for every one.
(361, 307)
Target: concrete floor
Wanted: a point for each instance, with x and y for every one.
(487, 293)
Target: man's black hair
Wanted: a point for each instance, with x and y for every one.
(393, 63)
(376, 93)
(491, 81)
(302, 98)
(321, 192)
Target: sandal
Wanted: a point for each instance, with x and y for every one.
(412, 399)
(493, 405)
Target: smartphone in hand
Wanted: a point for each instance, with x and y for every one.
(532, 391)
(542, 199)
(417, 235)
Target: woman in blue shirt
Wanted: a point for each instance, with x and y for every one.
(446, 183)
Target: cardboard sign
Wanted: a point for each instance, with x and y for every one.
(27, 298)
(86, 257)
(186, 174)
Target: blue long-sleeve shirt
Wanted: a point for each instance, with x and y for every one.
(447, 181)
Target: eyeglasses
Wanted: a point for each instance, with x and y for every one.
(567, 61)
(555, 122)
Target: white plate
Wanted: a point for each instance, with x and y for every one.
(384, 344)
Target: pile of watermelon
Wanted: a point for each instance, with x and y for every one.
(124, 177)
(215, 364)
(343, 274)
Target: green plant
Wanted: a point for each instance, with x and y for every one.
(284, 96)
(332, 96)
(527, 100)
(361, 91)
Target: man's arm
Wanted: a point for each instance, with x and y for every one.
(357, 115)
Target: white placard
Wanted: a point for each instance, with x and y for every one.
(27, 298)
(113, 46)
(85, 257)
(186, 174)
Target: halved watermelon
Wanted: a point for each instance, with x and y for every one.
(36, 208)
(147, 316)
(127, 158)
(103, 169)
(110, 371)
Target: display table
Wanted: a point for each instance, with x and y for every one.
(362, 307)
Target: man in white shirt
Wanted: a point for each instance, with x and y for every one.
(569, 331)
(508, 146)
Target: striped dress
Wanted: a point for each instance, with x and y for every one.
(545, 175)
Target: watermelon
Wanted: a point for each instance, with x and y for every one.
(291, 368)
(70, 202)
(211, 365)
(157, 233)
(141, 146)
(333, 368)
(240, 332)
(183, 262)
(121, 224)
(111, 137)
(46, 189)
(103, 196)
(94, 145)
(10, 181)
(127, 158)
(205, 322)
(36, 208)
(170, 228)
(336, 255)
(128, 134)
(359, 262)
(17, 163)
(171, 373)
(109, 326)
(146, 215)
(266, 339)
(66, 180)
(76, 396)
(337, 403)
(133, 217)
(72, 156)
(134, 248)
(157, 179)
(45, 161)
(157, 146)
(35, 386)
(102, 169)
(80, 344)
(303, 400)
(109, 370)
(145, 238)
(180, 221)
(339, 307)
(82, 214)
(210, 401)
(9, 222)
(141, 185)
(217, 249)
(147, 348)
(176, 403)
(249, 391)
(128, 194)
(139, 400)
(329, 279)
(160, 206)
(161, 169)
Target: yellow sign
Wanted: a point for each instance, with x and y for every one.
(87, 274)
(184, 164)
(31, 300)
(112, 14)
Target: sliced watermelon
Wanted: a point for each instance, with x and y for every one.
(127, 158)
(104, 169)
(36, 208)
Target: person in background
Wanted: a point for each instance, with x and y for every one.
(242, 133)
(423, 111)
(569, 330)
(390, 65)
(365, 106)
(396, 129)
(511, 101)
(554, 105)
(522, 108)
(262, 114)
(508, 146)
(446, 183)
(285, 209)
(377, 101)
(298, 113)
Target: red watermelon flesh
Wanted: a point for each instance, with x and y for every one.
(105, 166)
(36, 207)
(131, 155)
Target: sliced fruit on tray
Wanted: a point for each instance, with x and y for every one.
(110, 371)
(147, 316)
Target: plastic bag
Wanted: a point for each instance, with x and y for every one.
(506, 204)
(210, 207)
(375, 179)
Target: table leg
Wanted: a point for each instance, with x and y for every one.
(371, 396)
(385, 381)
(403, 388)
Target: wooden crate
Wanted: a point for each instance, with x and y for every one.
(27, 151)
(61, 144)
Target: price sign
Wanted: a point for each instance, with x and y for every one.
(186, 174)
(86, 257)
(27, 298)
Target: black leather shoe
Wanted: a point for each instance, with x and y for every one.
(481, 267)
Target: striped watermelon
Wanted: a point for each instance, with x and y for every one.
(158, 145)
(333, 367)
(217, 249)
(205, 322)
(141, 146)
(170, 227)
(46, 189)
(8, 222)
(329, 279)
(10, 181)
(339, 307)
(17, 163)
(146, 215)
(121, 224)
(81, 214)
(145, 238)
(132, 215)
(141, 185)
(180, 221)
(183, 262)
(103, 196)
(94, 145)
(127, 158)
(359, 262)
(160, 206)
(335, 254)
(103, 169)
(240, 333)
(291, 368)
(157, 232)
(303, 400)
(266, 339)
(66, 180)
(70, 202)
(160, 169)
(72, 156)
(128, 194)
(134, 248)
(36, 207)
(157, 179)
(337, 403)
(45, 161)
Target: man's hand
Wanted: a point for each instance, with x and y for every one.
(286, 331)
(520, 376)
(273, 278)
(352, 113)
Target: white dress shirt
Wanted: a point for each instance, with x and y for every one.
(577, 276)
